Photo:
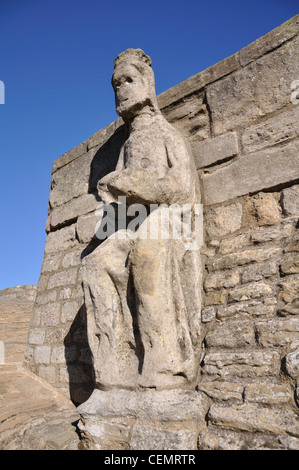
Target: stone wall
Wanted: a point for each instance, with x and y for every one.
(243, 128)
(16, 304)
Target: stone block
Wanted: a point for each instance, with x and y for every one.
(289, 288)
(42, 354)
(72, 258)
(61, 240)
(290, 200)
(252, 308)
(254, 418)
(50, 314)
(227, 439)
(277, 129)
(69, 156)
(209, 152)
(69, 311)
(208, 314)
(152, 438)
(45, 297)
(254, 290)
(36, 336)
(71, 210)
(50, 262)
(269, 234)
(63, 278)
(277, 332)
(242, 364)
(48, 373)
(220, 280)
(190, 117)
(270, 41)
(267, 393)
(230, 245)
(226, 391)
(256, 272)
(63, 188)
(292, 364)
(223, 220)
(264, 209)
(215, 298)
(86, 227)
(276, 166)
(161, 406)
(240, 258)
(256, 90)
(290, 264)
(230, 335)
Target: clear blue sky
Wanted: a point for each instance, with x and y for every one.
(56, 60)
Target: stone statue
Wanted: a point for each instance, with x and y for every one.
(143, 294)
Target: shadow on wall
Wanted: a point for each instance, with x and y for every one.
(78, 355)
(78, 358)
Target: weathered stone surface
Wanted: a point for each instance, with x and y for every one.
(86, 227)
(250, 417)
(61, 240)
(153, 438)
(289, 288)
(242, 364)
(215, 298)
(16, 305)
(255, 90)
(292, 364)
(71, 210)
(36, 336)
(276, 166)
(63, 278)
(256, 272)
(162, 406)
(51, 262)
(268, 394)
(231, 335)
(226, 391)
(233, 244)
(279, 128)
(223, 220)
(277, 332)
(63, 188)
(69, 156)
(290, 264)
(240, 258)
(220, 280)
(252, 308)
(190, 117)
(262, 235)
(270, 41)
(227, 439)
(34, 415)
(290, 200)
(42, 354)
(209, 152)
(208, 314)
(264, 208)
(254, 290)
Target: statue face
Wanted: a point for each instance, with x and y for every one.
(131, 89)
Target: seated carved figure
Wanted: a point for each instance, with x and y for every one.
(143, 295)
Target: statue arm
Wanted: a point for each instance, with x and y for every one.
(141, 186)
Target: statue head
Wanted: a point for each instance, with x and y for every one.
(133, 83)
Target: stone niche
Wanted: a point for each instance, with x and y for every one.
(240, 118)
